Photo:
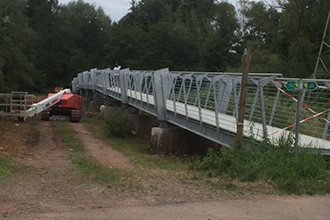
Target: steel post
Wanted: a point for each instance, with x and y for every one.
(159, 95)
(123, 90)
(326, 127)
(297, 123)
(275, 103)
(263, 112)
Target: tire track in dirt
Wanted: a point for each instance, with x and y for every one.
(47, 151)
(96, 148)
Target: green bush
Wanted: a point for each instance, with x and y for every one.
(117, 124)
(305, 173)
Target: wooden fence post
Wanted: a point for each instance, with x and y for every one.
(242, 100)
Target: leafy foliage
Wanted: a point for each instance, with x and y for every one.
(117, 123)
(45, 44)
(305, 173)
(16, 70)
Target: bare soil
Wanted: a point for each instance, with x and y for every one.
(50, 189)
(107, 156)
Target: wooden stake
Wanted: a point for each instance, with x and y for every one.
(242, 100)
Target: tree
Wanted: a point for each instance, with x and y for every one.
(126, 46)
(15, 36)
(148, 12)
(69, 39)
(261, 23)
(46, 49)
(221, 51)
(303, 25)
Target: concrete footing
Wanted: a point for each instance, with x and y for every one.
(179, 141)
(142, 124)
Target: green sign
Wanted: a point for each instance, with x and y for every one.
(310, 85)
(296, 85)
(292, 85)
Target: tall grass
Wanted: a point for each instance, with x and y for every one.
(305, 173)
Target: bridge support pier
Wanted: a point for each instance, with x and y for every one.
(85, 106)
(142, 124)
(179, 141)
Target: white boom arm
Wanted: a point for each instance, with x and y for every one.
(46, 103)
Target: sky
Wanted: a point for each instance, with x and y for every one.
(116, 9)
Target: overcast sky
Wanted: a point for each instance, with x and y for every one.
(116, 9)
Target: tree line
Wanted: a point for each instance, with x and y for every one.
(44, 44)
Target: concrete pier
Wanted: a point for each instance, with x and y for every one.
(179, 141)
(142, 124)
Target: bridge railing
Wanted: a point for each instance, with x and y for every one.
(207, 103)
(212, 100)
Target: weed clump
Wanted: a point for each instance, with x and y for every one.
(117, 124)
(305, 173)
(7, 168)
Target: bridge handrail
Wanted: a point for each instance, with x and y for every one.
(163, 92)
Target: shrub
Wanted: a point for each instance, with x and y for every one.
(117, 124)
(305, 173)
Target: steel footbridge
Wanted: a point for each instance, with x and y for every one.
(206, 103)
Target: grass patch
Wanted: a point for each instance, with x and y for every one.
(137, 149)
(7, 168)
(99, 174)
(87, 165)
(305, 173)
(69, 138)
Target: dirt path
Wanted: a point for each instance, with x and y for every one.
(255, 208)
(51, 190)
(48, 151)
(107, 156)
(49, 184)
